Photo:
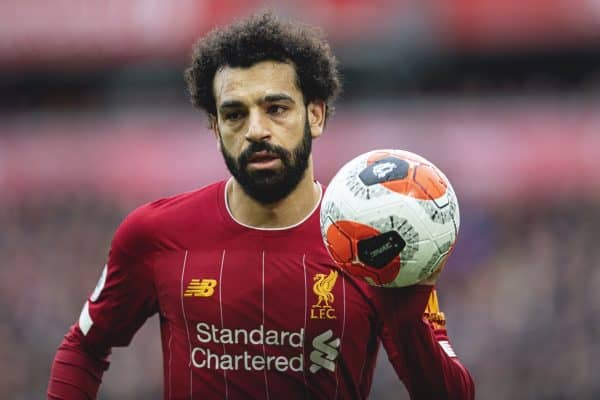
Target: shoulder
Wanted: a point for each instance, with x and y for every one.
(149, 226)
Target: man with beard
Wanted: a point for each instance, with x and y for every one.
(251, 306)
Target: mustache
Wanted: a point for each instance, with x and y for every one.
(256, 147)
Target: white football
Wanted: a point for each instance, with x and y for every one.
(389, 217)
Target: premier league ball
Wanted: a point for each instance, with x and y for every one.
(389, 217)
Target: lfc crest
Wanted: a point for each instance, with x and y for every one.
(322, 288)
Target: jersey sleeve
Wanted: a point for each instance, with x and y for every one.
(414, 336)
(123, 299)
(125, 295)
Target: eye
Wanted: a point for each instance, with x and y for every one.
(233, 116)
(276, 109)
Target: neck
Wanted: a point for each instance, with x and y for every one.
(286, 212)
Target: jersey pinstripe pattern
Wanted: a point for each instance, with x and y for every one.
(249, 313)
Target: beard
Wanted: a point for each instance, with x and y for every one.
(270, 186)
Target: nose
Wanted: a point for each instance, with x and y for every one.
(258, 130)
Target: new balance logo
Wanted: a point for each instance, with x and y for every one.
(447, 348)
(200, 288)
(325, 352)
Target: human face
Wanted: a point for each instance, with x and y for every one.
(264, 128)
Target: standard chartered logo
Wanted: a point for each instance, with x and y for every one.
(246, 360)
(252, 349)
(325, 352)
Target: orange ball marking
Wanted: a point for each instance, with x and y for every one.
(428, 179)
(342, 241)
(423, 182)
(343, 236)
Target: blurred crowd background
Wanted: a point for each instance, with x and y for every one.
(503, 96)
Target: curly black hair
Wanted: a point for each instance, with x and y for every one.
(260, 38)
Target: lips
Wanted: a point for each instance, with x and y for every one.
(263, 160)
(262, 156)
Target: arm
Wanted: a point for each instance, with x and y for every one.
(418, 347)
(123, 299)
(76, 371)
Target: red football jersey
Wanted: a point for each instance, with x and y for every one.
(249, 313)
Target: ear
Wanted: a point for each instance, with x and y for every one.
(214, 127)
(316, 117)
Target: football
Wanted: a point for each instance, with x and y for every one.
(389, 217)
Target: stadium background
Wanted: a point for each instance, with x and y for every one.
(502, 95)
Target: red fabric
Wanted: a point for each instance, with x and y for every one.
(75, 374)
(414, 350)
(241, 314)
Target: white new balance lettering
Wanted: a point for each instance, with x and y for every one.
(99, 286)
(85, 319)
(447, 348)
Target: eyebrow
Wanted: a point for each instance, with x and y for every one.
(271, 98)
(231, 104)
(277, 97)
